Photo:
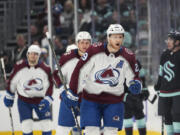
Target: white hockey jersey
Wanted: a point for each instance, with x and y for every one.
(102, 74)
(67, 62)
(31, 83)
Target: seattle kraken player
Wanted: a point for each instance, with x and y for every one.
(168, 84)
(32, 80)
(134, 107)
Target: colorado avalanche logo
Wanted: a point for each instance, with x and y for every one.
(108, 75)
(34, 84)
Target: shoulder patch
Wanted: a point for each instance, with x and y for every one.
(19, 62)
(85, 56)
(129, 51)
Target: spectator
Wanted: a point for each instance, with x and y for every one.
(103, 11)
(20, 50)
(44, 41)
(84, 21)
(35, 34)
(127, 40)
(59, 47)
(44, 55)
(66, 18)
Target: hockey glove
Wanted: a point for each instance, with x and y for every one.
(69, 98)
(9, 99)
(135, 87)
(144, 94)
(45, 104)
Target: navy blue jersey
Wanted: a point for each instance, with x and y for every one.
(169, 74)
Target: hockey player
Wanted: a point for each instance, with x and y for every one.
(68, 62)
(32, 80)
(168, 84)
(134, 107)
(101, 73)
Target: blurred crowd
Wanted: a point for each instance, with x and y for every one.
(105, 12)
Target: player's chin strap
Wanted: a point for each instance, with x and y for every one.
(175, 47)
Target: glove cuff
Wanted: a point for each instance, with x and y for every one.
(135, 81)
(71, 95)
(61, 88)
(10, 95)
(49, 99)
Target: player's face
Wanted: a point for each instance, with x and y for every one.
(115, 41)
(33, 58)
(83, 45)
(170, 43)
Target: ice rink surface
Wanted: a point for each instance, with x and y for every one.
(153, 120)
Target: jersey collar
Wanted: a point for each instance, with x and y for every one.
(77, 54)
(36, 66)
(116, 54)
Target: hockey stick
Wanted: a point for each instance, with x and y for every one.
(61, 77)
(162, 126)
(153, 100)
(10, 112)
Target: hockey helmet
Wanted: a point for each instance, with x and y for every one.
(175, 35)
(115, 29)
(34, 48)
(83, 35)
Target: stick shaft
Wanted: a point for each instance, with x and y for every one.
(62, 79)
(5, 78)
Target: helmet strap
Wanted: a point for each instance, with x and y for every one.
(32, 64)
(111, 49)
(176, 47)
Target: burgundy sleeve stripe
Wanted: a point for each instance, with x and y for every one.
(16, 69)
(48, 72)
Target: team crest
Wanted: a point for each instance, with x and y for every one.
(108, 75)
(33, 84)
(169, 73)
(84, 57)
